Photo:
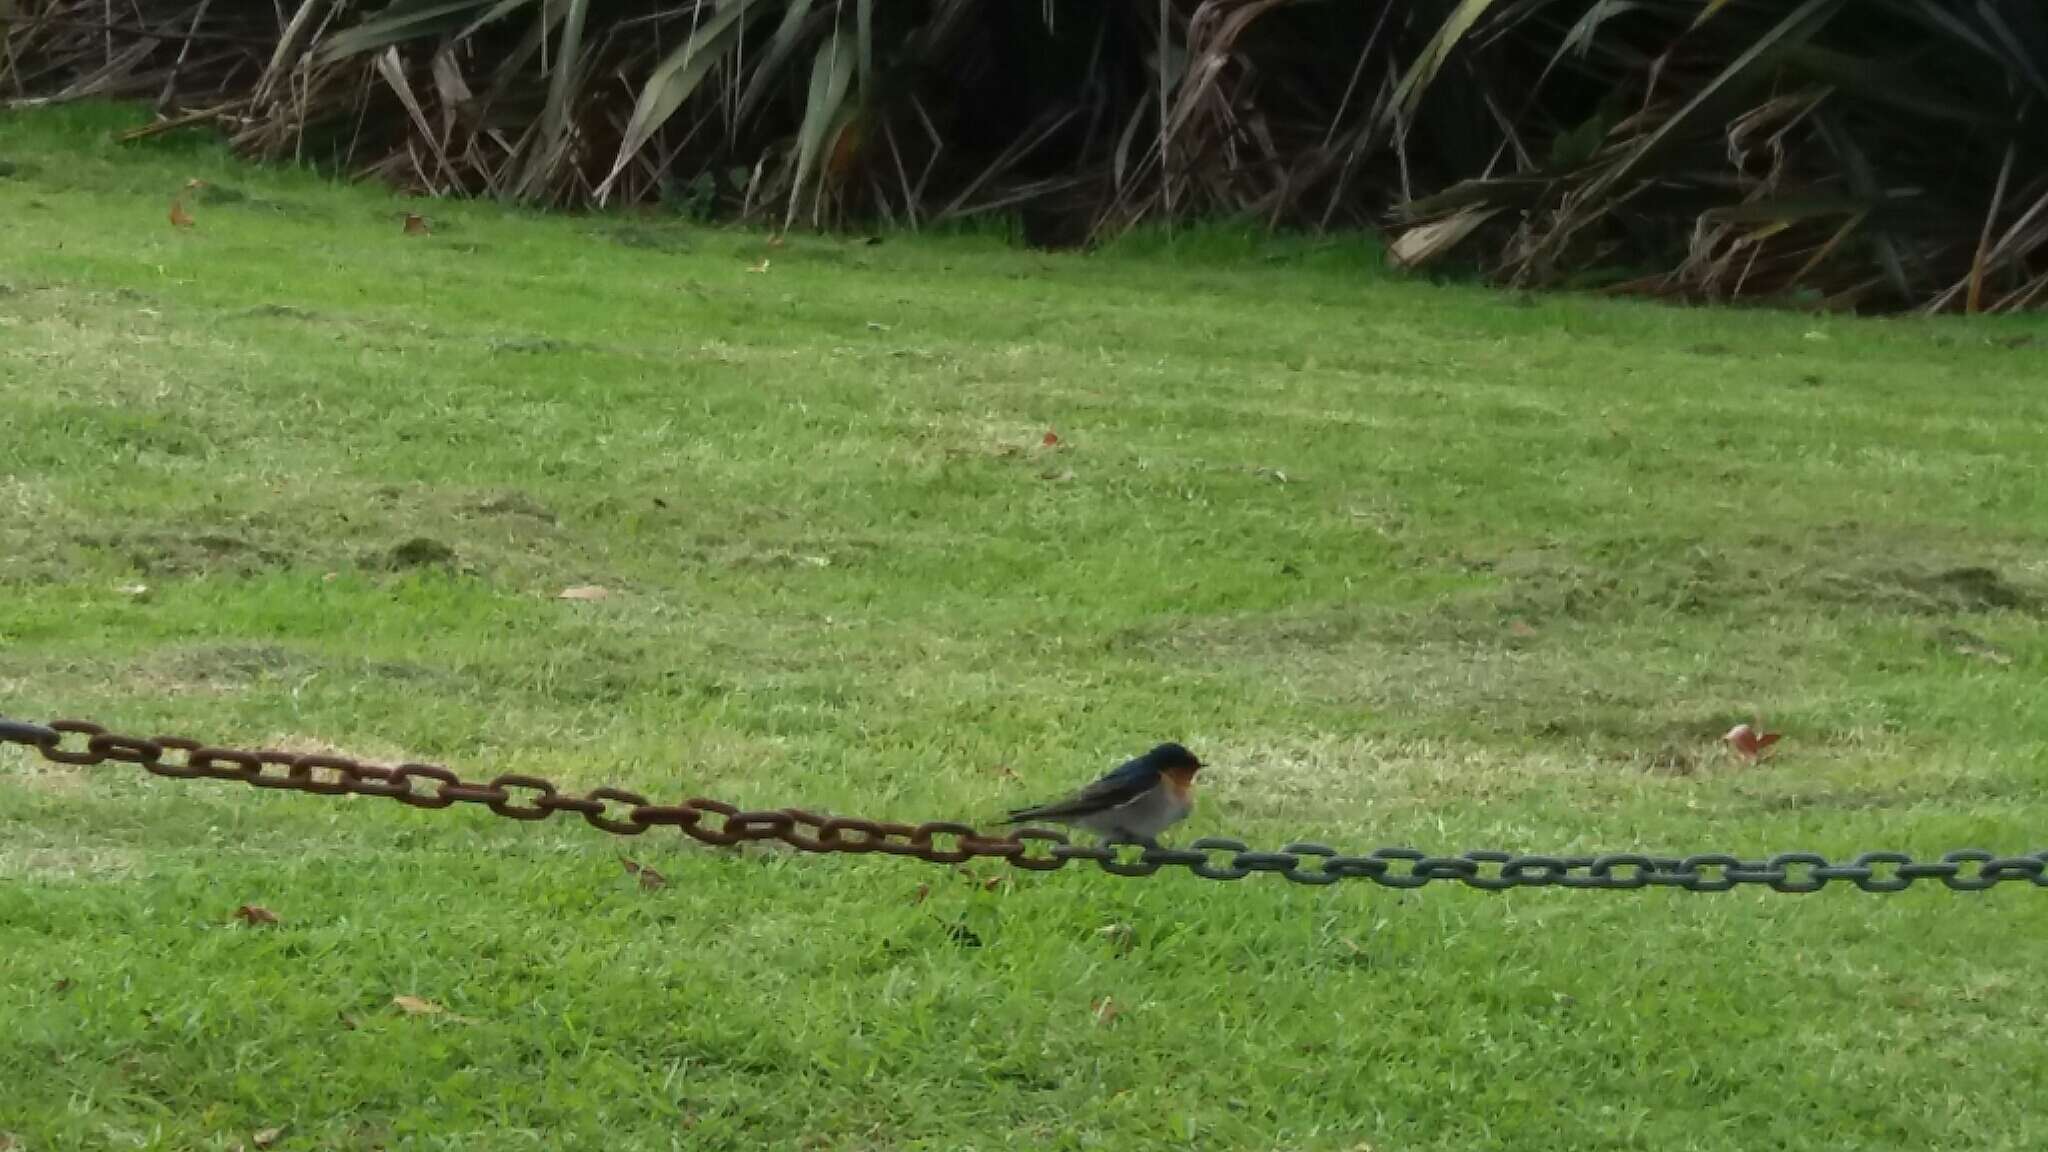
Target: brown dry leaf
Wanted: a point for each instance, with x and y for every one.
(267, 1137)
(584, 592)
(985, 883)
(923, 890)
(9, 1142)
(416, 225)
(775, 241)
(255, 914)
(62, 986)
(1105, 1010)
(761, 267)
(1521, 628)
(179, 217)
(1051, 440)
(649, 878)
(1750, 743)
(414, 1006)
(1425, 242)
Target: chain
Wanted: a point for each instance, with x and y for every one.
(714, 822)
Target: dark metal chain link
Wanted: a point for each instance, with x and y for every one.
(714, 822)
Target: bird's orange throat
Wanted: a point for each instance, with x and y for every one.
(1181, 781)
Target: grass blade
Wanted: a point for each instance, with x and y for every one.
(831, 73)
(402, 21)
(781, 46)
(676, 77)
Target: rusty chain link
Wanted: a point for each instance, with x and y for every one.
(624, 813)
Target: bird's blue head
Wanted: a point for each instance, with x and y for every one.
(1171, 757)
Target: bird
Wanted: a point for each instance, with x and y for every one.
(1138, 800)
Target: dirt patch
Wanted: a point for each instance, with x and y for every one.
(231, 665)
(515, 503)
(165, 554)
(275, 312)
(298, 744)
(29, 854)
(39, 775)
(1946, 794)
(1927, 591)
(1621, 578)
(418, 552)
(528, 345)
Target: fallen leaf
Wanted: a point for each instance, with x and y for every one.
(649, 878)
(918, 897)
(9, 1142)
(414, 1006)
(255, 914)
(877, 326)
(584, 592)
(134, 590)
(1105, 1010)
(1059, 477)
(62, 986)
(985, 883)
(1005, 772)
(1050, 440)
(267, 1137)
(1521, 628)
(1425, 242)
(761, 267)
(416, 225)
(774, 242)
(179, 217)
(1748, 743)
(347, 1021)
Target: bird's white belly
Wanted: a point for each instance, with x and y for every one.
(1144, 817)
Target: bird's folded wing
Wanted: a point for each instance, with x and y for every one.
(1119, 787)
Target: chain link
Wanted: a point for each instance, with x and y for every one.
(714, 822)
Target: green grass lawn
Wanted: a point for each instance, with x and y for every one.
(1408, 564)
